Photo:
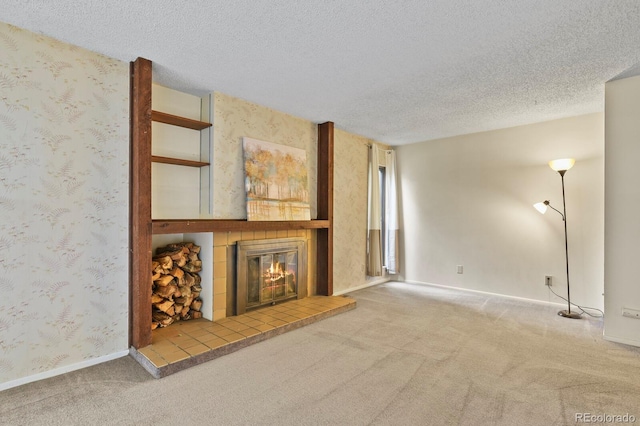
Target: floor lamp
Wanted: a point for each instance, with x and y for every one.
(561, 166)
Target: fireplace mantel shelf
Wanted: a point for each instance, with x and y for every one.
(180, 226)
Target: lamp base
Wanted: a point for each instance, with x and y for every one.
(567, 314)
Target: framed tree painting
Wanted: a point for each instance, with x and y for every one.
(275, 181)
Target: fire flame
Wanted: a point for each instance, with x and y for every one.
(275, 272)
(277, 276)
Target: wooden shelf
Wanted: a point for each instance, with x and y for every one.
(181, 226)
(178, 161)
(163, 117)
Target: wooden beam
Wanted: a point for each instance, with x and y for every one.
(140, 204)
(182, 226)
(324, 269)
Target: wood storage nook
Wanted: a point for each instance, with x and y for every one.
(176, 284)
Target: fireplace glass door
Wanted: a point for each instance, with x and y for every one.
(271, 277)
(269, 271)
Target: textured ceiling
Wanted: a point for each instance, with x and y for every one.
(395, 71)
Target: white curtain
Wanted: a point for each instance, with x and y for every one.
(374, 236)
(391, 214)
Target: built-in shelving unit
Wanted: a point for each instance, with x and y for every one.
(143, 227)
(174, 120)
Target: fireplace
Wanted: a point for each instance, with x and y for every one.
(270, 271)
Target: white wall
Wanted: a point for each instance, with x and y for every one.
(622, 212)
(467, 201)
(175, 189)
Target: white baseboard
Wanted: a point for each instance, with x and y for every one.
(614, 339)
(365, 285)
(543, 302)
(62, 370)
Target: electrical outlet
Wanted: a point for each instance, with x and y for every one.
(548, 281)
(631, 313)
(459, 269)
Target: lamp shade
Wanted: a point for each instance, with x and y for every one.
(541, 207)
(562, 164)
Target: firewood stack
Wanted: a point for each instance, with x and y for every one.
(176, 284)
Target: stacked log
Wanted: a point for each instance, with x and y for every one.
(176, 284)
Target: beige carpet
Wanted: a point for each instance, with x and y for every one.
(407, 355)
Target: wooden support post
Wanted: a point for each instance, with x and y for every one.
(324, 275)
(140, 205)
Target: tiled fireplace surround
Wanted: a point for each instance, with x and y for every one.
(223, 279)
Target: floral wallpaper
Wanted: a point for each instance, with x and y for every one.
(234, 118)
(64, 153)
(351, 154)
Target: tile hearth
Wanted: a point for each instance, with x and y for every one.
(188, 343)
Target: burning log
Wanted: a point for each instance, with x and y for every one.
(176, 284)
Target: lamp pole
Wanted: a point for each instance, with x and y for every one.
(567, 313)
(561, 166)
